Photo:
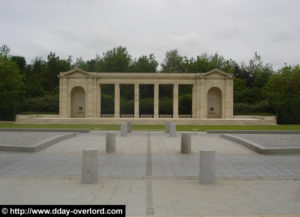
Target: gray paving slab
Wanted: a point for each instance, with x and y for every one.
(132, 159)
(150, 175)
(24, 138)
(273, 140)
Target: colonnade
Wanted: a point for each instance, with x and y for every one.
(212, 92)
(137, 100)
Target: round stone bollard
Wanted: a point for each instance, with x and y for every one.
(111, 142)
(172, 129)
(167, 124)
(186, 139)
(123, 129)
(207, 173)
(128, 126)
(89, 166)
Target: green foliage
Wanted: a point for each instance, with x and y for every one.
(248, 108)
(10, 86)
(48, 104)
(205, 63)
(145, 64)
(284, 93)
(173, 62)
(185, 104)
(146, 106)
(257, 88)
(166, 105)
(127, 99)
(10, 102)
(116, 60)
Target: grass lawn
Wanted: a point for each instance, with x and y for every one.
(154, 127)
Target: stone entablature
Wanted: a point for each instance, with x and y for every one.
(80, 92)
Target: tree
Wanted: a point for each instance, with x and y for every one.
(284, 92)
(54, 65)
(10, 85)
(145, 64)
(21, 63)
(173, 62)
(116, 60)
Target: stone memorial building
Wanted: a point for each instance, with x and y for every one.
(80, 99)
(80, 93)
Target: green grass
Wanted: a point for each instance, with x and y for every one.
(153, 127)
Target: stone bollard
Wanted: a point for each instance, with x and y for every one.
(89, 166)
(186, 139)
(110, 142)
(123, 129)
(207, 173)
(167, 124)
(128, 126)
(172, 129)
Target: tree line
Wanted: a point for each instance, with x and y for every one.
(258, 88)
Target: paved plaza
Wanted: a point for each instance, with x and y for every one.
(273, 141)
(150, 175)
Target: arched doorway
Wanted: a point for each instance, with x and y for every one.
(77, 102)
(214, 103)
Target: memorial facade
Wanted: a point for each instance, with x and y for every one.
(80, 93)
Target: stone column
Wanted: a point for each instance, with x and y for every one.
(167, 124)
(124, 130)
(194, 101)
(63, 98)
(111, 142)
(117, 100)
(172, 129)
(203, 99)
(228, 99)
(186, 140)
(98, 100)
(89, 100)
(156, 100)
(89, 166)
(175, 100)
(207, 173)
(136, 100)
(129, 130)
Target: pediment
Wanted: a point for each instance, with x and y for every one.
(217, 73)
(75, 73)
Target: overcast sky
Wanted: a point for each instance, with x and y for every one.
(84, 28)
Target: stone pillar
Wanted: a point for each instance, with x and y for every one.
(123, 129)
(194, 101)
(203, 99)
(207, 173)
(128, 126)
(98, 101)
(172, 129)
(110, 142)
(89, 98)
(117, 100)
(136, 100)
(228, 99)
(89, 166)
(63, 98)
(167, 124)
(186, 139)
(156, 100)
(175, 100)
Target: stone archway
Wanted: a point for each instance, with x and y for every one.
(78, 102)
(214, 103)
